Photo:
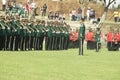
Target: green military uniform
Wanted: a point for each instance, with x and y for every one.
(66, 37)
(2, 36)
(49, 38)
(81, 37)
(97, 40)
(40, 36)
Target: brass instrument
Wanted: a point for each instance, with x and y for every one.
(24, 27)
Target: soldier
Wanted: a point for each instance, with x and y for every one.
(40, 36)
(97, 39)
(49, 36)
(115, 41)
(43, 29)
(67, 34)
(61, 35)
(57, 41)
(30, 35)
(8, 34)
(81, 36)
(10, 31)
(110, 36)
(23, 33)
(89, 37)
(15, 33)
(2, 34)
(118, 37)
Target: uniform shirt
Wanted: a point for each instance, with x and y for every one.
(110, 37)
(89, 36)
(81, 31)
(98, 36)
(75, 37)
(71, 36)
(118, 37)
(116, 14)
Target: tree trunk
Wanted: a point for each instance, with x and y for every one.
(103, 18)
(83, 10)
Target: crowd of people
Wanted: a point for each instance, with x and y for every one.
(12, 7)
(75, 14)
(25, 34)
(94, 39)
(56, 15)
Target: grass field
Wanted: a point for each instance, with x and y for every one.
(59, 65)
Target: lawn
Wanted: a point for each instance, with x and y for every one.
(59, 65)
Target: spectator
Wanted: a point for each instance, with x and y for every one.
(79, 14)
(88, 13)
(116, 15)
(4, 5)
(27, 7)
(92, 15)
(51, 15)
(56, 15)
(73, 14)
(44, 10)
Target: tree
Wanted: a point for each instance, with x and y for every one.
(107, 4)
(82, 5)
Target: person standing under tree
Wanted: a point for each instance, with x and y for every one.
(81, 36)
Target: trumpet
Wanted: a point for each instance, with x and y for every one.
(2, 25)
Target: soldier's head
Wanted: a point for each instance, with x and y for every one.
(37, 21)
(98, 29)
(2, 18)
(17, 17)
(111, 29)
(82, 20)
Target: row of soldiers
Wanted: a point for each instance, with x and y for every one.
(57, 37)
(16, 34)
(113, 39)
(93, 38)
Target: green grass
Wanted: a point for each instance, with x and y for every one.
(59, 65)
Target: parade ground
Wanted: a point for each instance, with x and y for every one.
(60, 65)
